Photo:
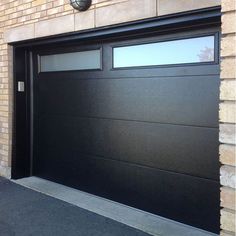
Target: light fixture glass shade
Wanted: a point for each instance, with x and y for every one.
(81, 5)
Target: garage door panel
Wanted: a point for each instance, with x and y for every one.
(175, 100)
(144, 136)
(155, 71)
(138, 186)
(194, 152)
(166, 71)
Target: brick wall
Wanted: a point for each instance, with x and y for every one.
(228, 117)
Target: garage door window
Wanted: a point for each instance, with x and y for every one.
(85, 60)
(192, 50)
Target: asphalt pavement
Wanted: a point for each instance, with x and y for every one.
(25, 212)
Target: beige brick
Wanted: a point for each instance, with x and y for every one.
(227, 133)
(9, 11)
(228, 68)
(34, 17)
(5, 171)
(228, 22)
(3, 119)
(4, 108)
(228, 154)
(23, 19)
(2, 162)
(4, 147)
(44, 6)
(228, 198)
(228, 5)
(54, 26)
(228, 112)
(169, 7)
(13, 3)
(16, 14)
(55, 10)
(228, 90)
(226, 233)
(38, 2)
(23, 6)
(85, 20)
(67, 7)
(3, 18)
(118, 13)
(4, 154)
(29, 11)
(20, 33)
(58, 2)
(228, 46)
(228, 220)
(228, 176)
(10, 22)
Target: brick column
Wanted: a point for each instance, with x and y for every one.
(5, 91)
(228, 117)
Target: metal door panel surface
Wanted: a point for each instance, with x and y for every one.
(146, 137)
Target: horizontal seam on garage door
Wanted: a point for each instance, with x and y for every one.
(126, 120)
(148, 167)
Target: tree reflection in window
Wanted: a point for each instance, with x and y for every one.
(206, 54)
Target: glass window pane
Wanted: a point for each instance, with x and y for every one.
(191, 50)
(85, 60)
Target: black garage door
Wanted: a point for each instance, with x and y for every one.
(133, 120)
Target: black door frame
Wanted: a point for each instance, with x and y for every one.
(22, 143)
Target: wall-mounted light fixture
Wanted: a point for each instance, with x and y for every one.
(81, 5)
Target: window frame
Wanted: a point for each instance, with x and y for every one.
(62, 50)
(168, 39)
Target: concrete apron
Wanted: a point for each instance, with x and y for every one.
(147, 222)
